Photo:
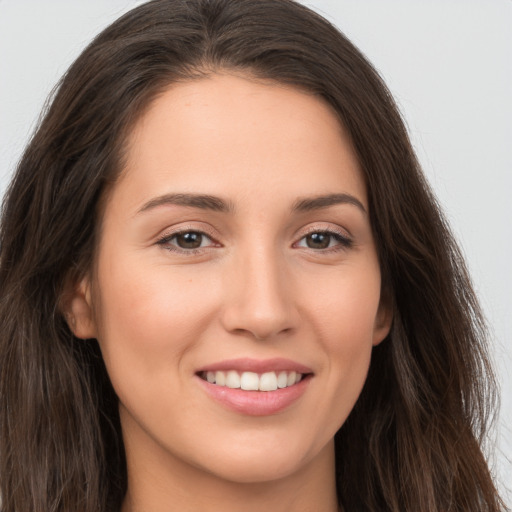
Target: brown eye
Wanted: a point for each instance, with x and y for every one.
(189, 240)
(322, 240)
(318, 240)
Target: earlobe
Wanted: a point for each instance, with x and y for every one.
(78, 310)
(383, 321)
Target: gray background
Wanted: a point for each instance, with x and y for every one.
(449, 65)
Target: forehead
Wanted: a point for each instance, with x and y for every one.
(224, 133)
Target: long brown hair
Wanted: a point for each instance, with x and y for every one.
(414, 438)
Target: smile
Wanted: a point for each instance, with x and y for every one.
(252, 381)
(255, 387)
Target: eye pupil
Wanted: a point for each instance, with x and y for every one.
(318, 240)
(189, 240)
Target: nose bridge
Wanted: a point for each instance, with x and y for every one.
(260, 300)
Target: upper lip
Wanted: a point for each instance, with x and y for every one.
(256, 365)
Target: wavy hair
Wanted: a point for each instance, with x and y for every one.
(414, 439)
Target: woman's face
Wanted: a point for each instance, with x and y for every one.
(235, 250)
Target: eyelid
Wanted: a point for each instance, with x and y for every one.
(345, 238)
(342, 235)
(168, 235)
(326, 228)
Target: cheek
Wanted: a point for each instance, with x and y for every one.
(344, 309)
(149, 317)
(343, 317)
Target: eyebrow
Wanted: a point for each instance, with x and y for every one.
(201, 201)
(216, 204)
(308, 204)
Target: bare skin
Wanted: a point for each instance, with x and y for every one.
(238, 230)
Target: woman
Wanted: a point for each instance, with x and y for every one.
(226, 284)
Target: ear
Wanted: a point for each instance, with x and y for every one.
(383, 319)
(78, 310)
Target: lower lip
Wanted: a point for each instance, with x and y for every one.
(256, 403)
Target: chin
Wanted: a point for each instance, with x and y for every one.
(260, 469)
(260, 462)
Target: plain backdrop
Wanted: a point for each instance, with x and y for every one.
(448, 64)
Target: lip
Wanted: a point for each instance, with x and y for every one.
(255, 403)
(245, 364)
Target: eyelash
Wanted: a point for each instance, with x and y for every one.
(165, 241)
(344, 242)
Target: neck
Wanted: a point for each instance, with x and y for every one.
(172, 485)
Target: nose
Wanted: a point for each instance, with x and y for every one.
(259, 296)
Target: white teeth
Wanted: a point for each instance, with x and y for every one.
(282, 380)
(251, 381)
(268, 382)
(232, 379)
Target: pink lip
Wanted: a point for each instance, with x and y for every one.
(255, 403)
(257, 365)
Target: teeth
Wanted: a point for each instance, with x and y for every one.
(250, 381)
(220, 378)
(282, 380)
(268, 382)
(232, 379)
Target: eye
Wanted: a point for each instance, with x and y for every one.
(321, 240)
(186, 241)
